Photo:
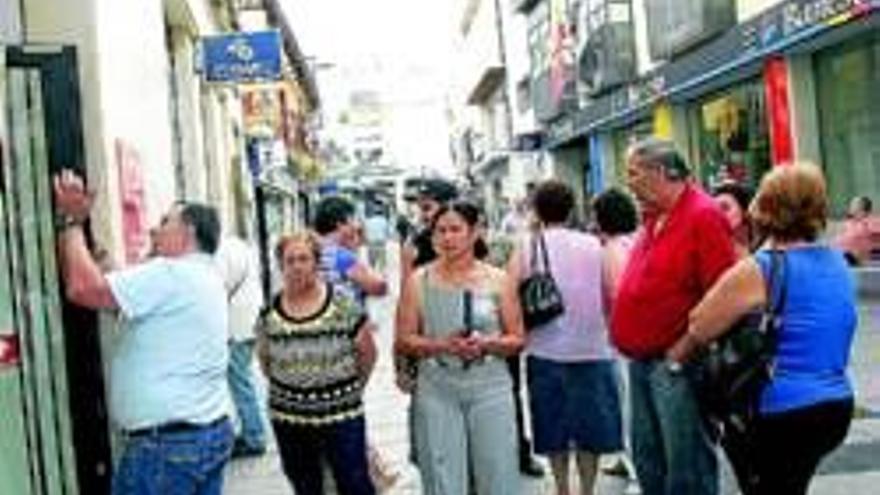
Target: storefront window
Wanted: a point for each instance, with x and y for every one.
(733, 141)
(623, 138)
(847, 78)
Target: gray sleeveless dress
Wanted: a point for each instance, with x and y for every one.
(464, 411)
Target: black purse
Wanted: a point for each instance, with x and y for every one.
(732, 371)
(539, 296)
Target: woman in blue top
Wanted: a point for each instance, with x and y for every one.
(806, 408)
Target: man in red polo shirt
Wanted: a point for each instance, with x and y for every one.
(683, 247)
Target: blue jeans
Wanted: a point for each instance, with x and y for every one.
(344, 446)
(244, 395)
(184, 463)
(672, 450)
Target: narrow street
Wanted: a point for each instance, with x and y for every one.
(853, 469)
(387, 426)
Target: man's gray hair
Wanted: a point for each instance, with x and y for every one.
(662, 153)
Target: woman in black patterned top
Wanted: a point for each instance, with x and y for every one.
(316, 349)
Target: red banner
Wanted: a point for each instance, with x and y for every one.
(779, 111)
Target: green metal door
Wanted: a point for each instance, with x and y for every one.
(37, 454)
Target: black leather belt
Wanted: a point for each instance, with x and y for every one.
(173, 427)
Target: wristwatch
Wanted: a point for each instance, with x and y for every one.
(674, 367)
(63, 222)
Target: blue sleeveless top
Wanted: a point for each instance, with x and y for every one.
(818, 322)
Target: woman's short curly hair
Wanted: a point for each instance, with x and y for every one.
(792, 203)
(307, 237)
(553, 201)
(615, 212)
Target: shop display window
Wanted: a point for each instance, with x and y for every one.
(847, 85)
(733, 142)
(623, 138)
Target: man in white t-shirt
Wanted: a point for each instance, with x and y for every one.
(239, 265)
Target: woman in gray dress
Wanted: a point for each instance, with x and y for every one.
(460, 317)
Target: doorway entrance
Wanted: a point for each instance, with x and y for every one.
(53, 421)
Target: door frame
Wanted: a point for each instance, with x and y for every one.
(84, 365)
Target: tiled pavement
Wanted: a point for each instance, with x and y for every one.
(853, 470)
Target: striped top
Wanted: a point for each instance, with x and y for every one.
(312, 361)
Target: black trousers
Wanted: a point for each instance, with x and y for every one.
(514, 365)
(784, 449)
(343, 445)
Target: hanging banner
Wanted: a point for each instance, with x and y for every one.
(778, 110)
(562, 56)
(261, 111)
(133, 202)
(242, 57)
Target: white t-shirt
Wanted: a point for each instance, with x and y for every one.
(170, 362)
(239, 266)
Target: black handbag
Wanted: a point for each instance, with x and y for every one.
(732, 371)
(539, 296)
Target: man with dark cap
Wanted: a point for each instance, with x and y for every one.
(418, 250)
(432, 193)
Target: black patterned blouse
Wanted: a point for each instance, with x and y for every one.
(311, 362)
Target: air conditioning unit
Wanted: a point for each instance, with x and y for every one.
(607, 59)
(676, 26)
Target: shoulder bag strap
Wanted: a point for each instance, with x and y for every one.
(544, 256)
(533, 255)
(778, 272)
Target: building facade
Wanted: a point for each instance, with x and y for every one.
(128, 109)
(739, 85)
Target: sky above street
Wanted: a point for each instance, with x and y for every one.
(398, 47)
(405, 32)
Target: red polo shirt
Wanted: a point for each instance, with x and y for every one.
(667, 274)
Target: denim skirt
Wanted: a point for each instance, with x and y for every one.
(575, 406)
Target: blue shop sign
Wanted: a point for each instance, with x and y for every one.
(242, 57)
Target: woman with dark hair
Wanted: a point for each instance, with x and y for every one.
(617, 218)
(806, 408)
(859, 233)
(733, 198)
(460, 317)
(570, 364)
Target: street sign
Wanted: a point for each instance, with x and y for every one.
(242, 57)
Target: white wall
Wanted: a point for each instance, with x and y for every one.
(10, 22)
(124, 75)
(746, 9)
(518, 66)
(133, 78)
(123, 91)
(189, 117)
(644, 63)
(481, 45)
